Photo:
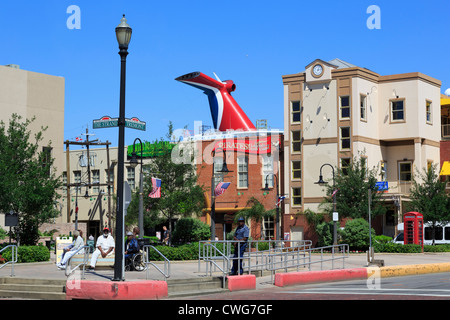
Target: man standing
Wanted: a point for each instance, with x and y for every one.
(166, 236)
(241, 236)
(104, 247)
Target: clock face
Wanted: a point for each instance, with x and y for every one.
(317, 70)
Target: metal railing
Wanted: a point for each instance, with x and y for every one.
(166, 272)
(13, 257)
(290, 260)
(69, 270)
(276, 257)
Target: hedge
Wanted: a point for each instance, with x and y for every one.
(29, 254)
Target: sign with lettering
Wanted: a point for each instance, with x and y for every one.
(260, 145)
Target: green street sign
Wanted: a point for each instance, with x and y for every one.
(108, 122)
(135, 123)
(105, 122)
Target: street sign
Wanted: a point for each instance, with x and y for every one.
(105, 122)
(108, 122)
(126, 196)
(135, 123)
(382, 186)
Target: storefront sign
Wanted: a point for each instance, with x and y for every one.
(260, 145)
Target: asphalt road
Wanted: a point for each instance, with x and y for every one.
(434, 286)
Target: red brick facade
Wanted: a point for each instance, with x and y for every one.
(236, 198)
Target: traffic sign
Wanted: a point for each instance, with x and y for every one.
(108, 122)
(105, 122)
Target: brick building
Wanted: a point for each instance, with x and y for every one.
(253, 159)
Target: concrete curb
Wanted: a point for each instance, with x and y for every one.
(293, 278)
(243, 282)
(101, 290)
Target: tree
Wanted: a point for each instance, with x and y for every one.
(353, 184)
(257, 212)
(28, 183)
(180, 194)
(428, 197)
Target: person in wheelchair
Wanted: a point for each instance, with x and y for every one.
(131, 248)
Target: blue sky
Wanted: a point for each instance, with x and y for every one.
(250, 42)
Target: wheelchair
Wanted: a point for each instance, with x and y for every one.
(136, 262)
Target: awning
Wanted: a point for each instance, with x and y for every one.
(445, 101)
(445, 170)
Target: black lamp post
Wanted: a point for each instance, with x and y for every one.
(213, 194)
(123, 34)
(134, 163)
(321, 182)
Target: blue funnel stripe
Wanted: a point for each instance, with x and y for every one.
(214, 104)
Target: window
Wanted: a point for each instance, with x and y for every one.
(362, 107)
(296, 169)
(77, 179)
(96, 179)
(397, 110)
(243, 172)
(130, 177)
(47, 158)
(296, 111)
(296, 141)
(111, 176)
(383, 165)
(218, 165)
(428, 112)
(267, 171)
(344, 102)
(437, 233)
(345, 164)
(268, 228)
(297, 196)
(404, 171)
(64, 181)
(345, 138)
(447, 233)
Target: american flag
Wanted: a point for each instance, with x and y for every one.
(280, 199)
(156, 188)
(221, 187)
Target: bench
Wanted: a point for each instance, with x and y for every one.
(101, 262)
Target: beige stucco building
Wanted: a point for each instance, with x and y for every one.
(334, 111)
(31, 94)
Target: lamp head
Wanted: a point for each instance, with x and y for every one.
(123, 33)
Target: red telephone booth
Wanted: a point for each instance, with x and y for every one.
(413, 228)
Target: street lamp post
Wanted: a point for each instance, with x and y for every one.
(123, 34)
(134, 163)
(321, 182)
(213, 196)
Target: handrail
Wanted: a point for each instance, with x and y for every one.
(166, 272)
(69, 270)
(13, 257)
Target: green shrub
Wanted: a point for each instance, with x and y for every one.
(356, 234)
(397, 248)
(382, 239)
(29, 254)
(190, 230)
(437, 248)
(325, 233)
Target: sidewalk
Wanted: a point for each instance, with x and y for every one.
(189, 269)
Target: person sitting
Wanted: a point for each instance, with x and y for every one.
(131, 245)
(105, 246)
(77, 244)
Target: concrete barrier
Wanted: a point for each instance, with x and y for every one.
(414, 269)
(102, 290)
(292, 278)
(243, 282)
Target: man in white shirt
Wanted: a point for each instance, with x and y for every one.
(77, 244)
(104, 247)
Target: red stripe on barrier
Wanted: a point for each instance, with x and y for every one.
(292, 278)
(101, 290)
(244, 282)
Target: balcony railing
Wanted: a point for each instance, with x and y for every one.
(400, 187)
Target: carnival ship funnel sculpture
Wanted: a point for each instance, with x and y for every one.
(226, 113)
